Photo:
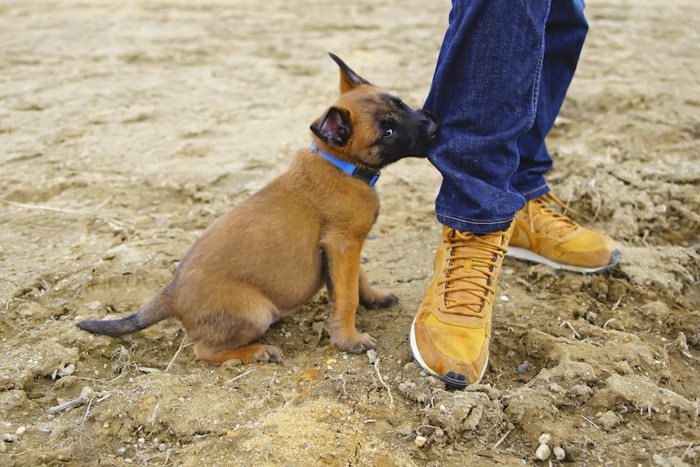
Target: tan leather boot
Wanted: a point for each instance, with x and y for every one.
(544, 235)
(450, 334)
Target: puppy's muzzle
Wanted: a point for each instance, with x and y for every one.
(429, 125)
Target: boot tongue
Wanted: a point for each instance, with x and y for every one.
(470, 275)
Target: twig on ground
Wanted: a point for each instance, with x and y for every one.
(608, 322)
(179, 349)
(687, 451)
(617, 303)
(503, 438)
(87, 410)
(381, 380)
(85, 396)
(238, 377)
(591, 421)
(566, 323)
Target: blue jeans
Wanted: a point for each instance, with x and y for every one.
(500, 80)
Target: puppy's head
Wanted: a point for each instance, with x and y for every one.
(370, 127)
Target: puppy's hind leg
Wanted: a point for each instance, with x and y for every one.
(228, 334)
(246, 354)
(372, 297)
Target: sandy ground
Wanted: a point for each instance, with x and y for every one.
(127, 127)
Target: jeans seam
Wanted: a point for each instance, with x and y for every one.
(473, 222)
(534, 190)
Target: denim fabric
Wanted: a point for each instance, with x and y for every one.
(493, 117)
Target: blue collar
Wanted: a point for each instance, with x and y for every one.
(370, 177)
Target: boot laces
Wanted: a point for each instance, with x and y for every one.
(547, 219)
(469, 277)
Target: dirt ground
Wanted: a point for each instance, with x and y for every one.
(127, 127)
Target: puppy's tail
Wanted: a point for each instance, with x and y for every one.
(156, 310)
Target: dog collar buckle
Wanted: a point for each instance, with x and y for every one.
(368, 176)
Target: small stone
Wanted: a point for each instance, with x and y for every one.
(372, 356)
(543, 452)
(555, 388)
(45, 430)
(141, 440)
(66, 371)
(559, 453)
(522, 368)
(608, 420)
(581, 391)
(162, 447)
(545, 438)
(407, 386)
(121, 451)
(3, 448)
(658, 459)
(20, 430)
(420, 441)
(591, 316)
(10, 438)
(128, 460)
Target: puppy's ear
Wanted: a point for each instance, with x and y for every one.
(334, 127)
(348, 78)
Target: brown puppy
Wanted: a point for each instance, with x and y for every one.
(274, 251)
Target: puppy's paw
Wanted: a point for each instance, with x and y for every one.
(356, 343)
(378, 299)
(266, 353)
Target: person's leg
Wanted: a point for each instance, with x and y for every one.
(484, 94)
(565, 34)
(541, 233)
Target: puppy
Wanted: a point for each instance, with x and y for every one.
(275, 250)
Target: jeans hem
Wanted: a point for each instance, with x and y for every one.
(536, 193)
(477, 227)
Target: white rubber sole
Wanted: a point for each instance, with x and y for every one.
(419, 360)
(527, 255)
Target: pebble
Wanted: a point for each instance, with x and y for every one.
(407, 386)
(420, 441)
(522, 368)
(10, 438)
(3, 448)
(141, 440)
(45, 430)
(658, 459)
(545, 438)
(20, 430)
(543, 452)
(372, 356)
(121, 451)
(66, 371)
(559, 453)
(608, 420)
(591, 316)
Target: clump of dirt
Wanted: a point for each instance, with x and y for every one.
(127, 128)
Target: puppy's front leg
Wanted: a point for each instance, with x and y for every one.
(343, 272)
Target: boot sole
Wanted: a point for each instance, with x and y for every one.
(452, 379)
(527, 255)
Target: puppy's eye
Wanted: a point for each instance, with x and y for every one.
(388, 133)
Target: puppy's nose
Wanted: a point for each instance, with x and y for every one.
(431, 124)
